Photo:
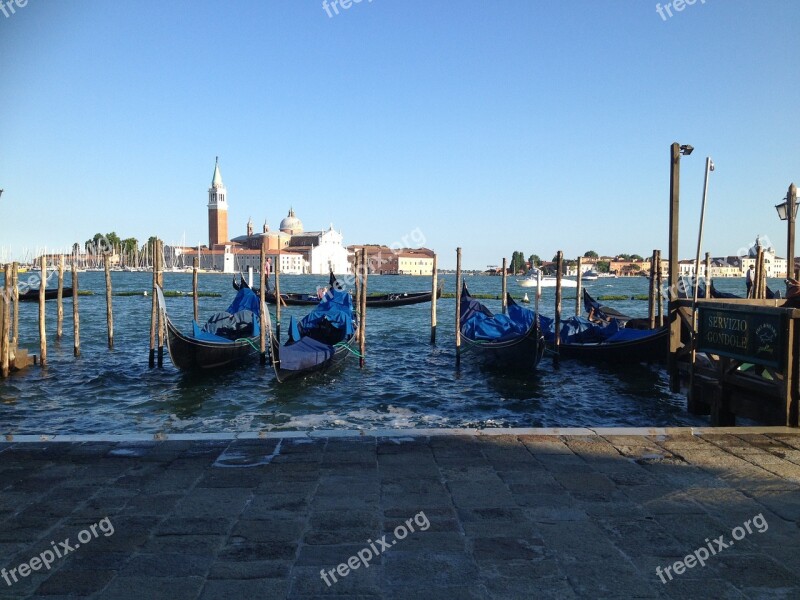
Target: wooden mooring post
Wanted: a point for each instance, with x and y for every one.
(162, 325)
(651, 298)
(60, 300)
(659, 291)
(362, 349)
(154, 311)
(504, 302)
(15, 307)
(434, 292)
(559, 268)
(357, 272)
(278, 300)
(195, 286)
(76, 321)
(109, 309)
(42, 330)
(5, 325)
(458, 306)
(578, 295)
(262, 306)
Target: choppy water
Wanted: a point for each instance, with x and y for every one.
(406, 383)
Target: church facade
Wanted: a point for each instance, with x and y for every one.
(299, 251)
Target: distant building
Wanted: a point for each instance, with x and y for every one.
(400, 261)
(217, 210)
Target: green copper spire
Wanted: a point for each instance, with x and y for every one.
(217, 181)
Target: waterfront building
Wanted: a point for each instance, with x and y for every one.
(396, 261)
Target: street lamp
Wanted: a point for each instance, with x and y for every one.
(787, 211)
(676, 150)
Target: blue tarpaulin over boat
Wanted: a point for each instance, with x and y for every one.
(241, 320)
(331, 320)
(336, 309)
(478, 323)
(304, 354)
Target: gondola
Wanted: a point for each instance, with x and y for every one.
(624, 345)
(32, 295)
(226, 340)
(510, 342)
(380, 301)
(320, 341)
(607, 336)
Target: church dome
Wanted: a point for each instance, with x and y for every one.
(291, 224)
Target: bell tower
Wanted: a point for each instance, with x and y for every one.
(217, 210)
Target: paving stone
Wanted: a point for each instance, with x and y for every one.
(257, 569)
(167, 565)
(217, 589)
(77, 583)
(139, 587)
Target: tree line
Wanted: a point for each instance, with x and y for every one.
(520, 264)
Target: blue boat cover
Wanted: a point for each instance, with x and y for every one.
(335, 308)
(294, 330)
(245, 300)
(334, 312)
(579, 330)
(241, 320)
(304, 354)
(479, 324)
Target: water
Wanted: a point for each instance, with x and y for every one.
(406, 383)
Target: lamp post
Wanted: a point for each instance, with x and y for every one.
(676, 151)
(789, 215)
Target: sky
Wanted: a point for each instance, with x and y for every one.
(494, 126)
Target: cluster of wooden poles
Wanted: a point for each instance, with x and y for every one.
(758, 291)
(11, 356)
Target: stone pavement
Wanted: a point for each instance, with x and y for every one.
(591, 514)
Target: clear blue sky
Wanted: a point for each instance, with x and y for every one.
(497, 126)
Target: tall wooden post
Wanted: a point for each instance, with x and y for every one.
(109, 310)
(357, 271)
(659, 284)
(60, 299)
(76, 322)
(651, 298)
(42, 331)
(674, 318)
(278, 300)
(154, 310)
(708, 275)
(755, 288)
(195, 286)
(162, 325)
(578, 295)
(5, 325)
(15, 306)
(262, 300)
(458, 306)
(504, 302)
(434, 292)
(791, 200)
(363, 320)
(559, 268)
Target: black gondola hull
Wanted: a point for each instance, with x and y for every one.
(380, 301)
(653, 349)
(190, 354)
(49, 294)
